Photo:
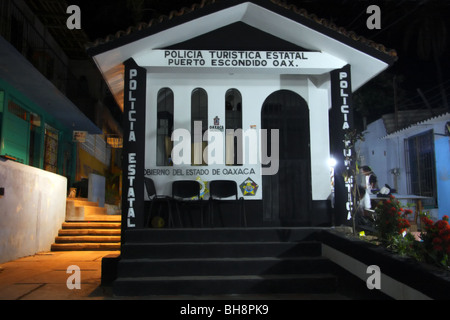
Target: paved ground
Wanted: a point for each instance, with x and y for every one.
(44, 276)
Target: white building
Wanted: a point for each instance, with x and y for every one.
(246, 65)
(414, 160)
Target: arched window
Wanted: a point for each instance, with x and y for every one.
(199, 124)
(164, 127)
(233, 121)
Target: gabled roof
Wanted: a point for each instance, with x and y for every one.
(100, 45)
(274, 17)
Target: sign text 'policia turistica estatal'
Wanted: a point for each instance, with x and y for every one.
(199, 58)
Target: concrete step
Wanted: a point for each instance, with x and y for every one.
(80, 209)
(93, 211)
(223, 266)
(220, 249)
(87, 235)
(219, 235)
(87, 239)
(89, 232)
(81, 202)
(210, 285)
(99, 218)
(221, 261)
(85, 246)
(91, 225)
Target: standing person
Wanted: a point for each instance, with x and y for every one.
(364, 213)
(371, 179)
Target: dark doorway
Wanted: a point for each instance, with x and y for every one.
(287, 194)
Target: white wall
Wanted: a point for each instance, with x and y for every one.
(319, 102)
(373, 152)
(254, 89)
(31, 211)
(383, 155)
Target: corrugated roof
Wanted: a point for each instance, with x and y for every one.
(411, 116)
(205, 3)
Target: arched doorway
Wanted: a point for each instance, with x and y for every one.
(287, 194)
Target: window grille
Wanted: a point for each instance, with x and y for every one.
(421, 166)
(97, 147)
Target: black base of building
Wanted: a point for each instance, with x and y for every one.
(224, 261)
(226, 215)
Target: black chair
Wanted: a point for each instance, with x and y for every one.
(154, 198)
(219, 190)
(187, 193)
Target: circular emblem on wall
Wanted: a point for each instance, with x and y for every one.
(249, 187)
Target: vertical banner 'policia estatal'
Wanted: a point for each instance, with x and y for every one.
(341, 121)
(133, 146)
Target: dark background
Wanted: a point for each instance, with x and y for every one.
(417, 30)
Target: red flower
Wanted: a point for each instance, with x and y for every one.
(427, 221)
(437, 241)
(442, 224)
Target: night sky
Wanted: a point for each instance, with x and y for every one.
(417, 30)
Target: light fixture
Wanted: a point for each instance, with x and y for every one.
(332, 162)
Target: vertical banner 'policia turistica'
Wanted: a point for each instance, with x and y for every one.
(341, 122)
(133, 146)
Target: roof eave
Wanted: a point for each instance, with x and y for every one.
(368, 58)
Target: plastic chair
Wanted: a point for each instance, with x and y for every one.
(187, 193)
(222, 189)
(154, 198)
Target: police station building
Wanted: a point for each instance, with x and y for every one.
(252, 91)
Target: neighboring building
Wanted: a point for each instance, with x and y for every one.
(246, 65)
(413, 159)
(49, 89)
(47, 93)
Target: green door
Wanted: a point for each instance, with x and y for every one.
(16, 134)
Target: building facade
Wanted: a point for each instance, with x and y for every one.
(256, 92)
(414, 159)
(45, 97)
(48, 93)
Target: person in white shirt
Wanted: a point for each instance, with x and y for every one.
(371, 180)
(365, 213)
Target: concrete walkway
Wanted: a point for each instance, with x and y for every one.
(44, 276)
